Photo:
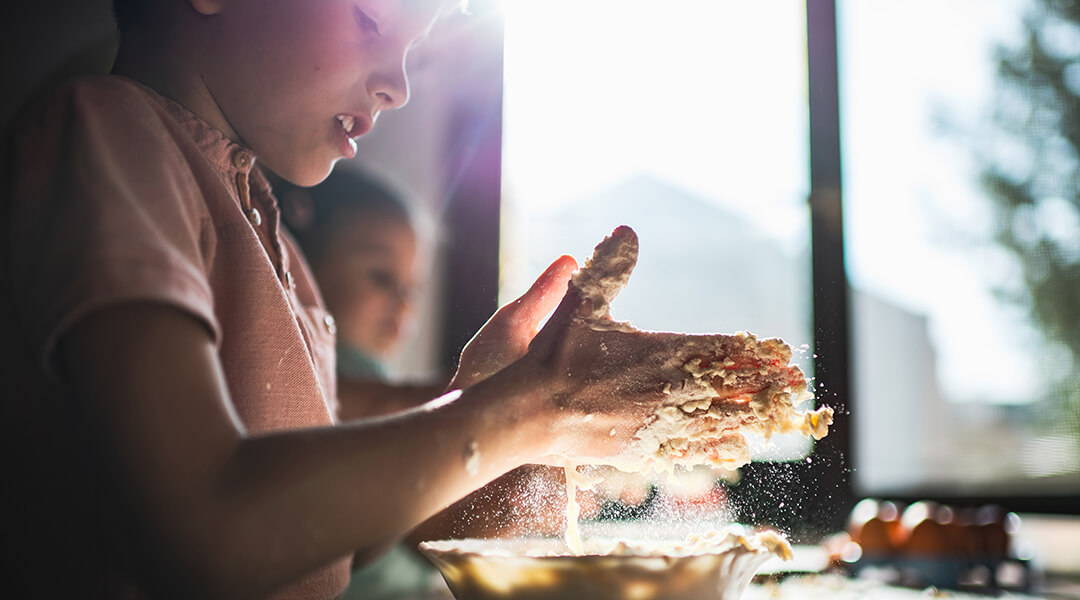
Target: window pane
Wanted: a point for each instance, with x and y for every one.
(686, 121)
(963, 245)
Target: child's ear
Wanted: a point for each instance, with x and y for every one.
(207, 7)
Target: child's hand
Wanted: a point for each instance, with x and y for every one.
(605, 384)
(601, 381)
(506, 336)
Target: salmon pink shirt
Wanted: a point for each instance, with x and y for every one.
(116, 195)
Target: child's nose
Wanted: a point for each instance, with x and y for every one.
(391, 88)
(403, 295)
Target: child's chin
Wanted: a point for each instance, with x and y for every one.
(309, 173)
(383, 348)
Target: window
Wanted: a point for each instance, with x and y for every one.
(711, 123)
(962, 227)
(632, 112)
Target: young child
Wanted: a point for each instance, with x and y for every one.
(358, 236)
(362, 248)
(169, 364)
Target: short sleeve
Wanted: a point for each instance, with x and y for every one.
(104, 210)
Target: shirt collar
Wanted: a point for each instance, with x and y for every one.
(222, 152)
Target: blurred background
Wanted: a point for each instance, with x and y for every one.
(893, 188)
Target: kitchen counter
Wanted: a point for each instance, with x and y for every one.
(822, 587)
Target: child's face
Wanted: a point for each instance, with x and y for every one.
(285, 72)
(366, 275)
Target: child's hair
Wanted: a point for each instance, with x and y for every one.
(313, 214)
(131, 13)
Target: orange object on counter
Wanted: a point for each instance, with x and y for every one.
(929, 543)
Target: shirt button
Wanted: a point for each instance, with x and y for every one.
(254, 216)
(331, 324)
(241, 159)
(289, 280)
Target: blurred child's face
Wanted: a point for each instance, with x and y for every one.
(366, 274)
(298, 80)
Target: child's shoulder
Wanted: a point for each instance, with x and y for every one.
(95, 101)
(103, 87)
(107, 119)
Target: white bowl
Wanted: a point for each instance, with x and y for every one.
(544, 569)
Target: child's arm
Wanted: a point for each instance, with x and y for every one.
(367, 398)
(215, 513)
(503, 339)
(529, 501)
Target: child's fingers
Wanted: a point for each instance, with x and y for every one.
(548, 341)
(604, 275)
(545, 293)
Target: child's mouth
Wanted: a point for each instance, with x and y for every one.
(351, 128)
(347, 122)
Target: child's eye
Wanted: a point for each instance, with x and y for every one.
(387, 281)
(382, 279)
(366, 23)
